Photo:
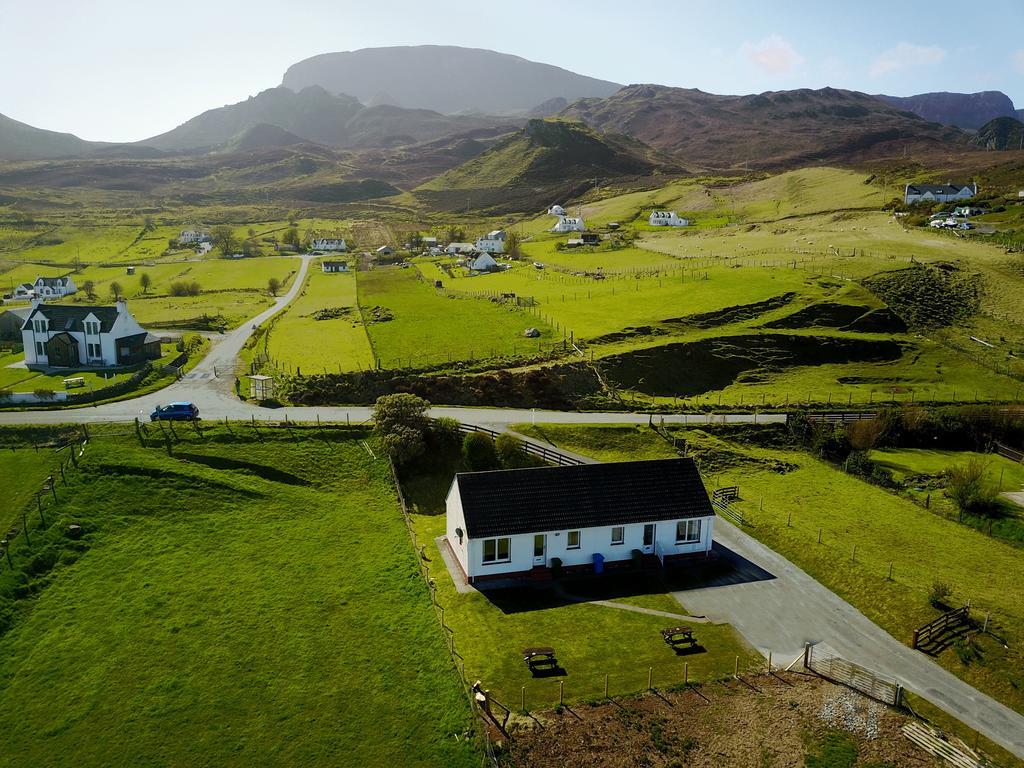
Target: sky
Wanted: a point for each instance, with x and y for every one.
(124, 70)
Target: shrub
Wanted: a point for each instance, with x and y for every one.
(445, 434)
(402, 423)
(43, 394)
(939, 594)
(403, 444)
(479, 453)
(510, 451)
(966, 486)
(185, 288)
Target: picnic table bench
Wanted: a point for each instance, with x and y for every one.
(542, 656)
(677, 636)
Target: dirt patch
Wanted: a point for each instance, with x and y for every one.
(768, 722)
(692, 368)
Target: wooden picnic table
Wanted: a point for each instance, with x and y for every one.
(542, 656)
(676, 636)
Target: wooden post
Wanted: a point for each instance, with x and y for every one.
(985, 627)
(819, 535)
(606, 685)
(789, 519)
(686, 673)
(650, 678)
(524, 699)
(760, 504)
(807, 655)
(889, 577)
(769, 662)
(854, 557)
(561, 692)
(736, 669)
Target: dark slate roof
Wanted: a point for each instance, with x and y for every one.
(937, 189)
(508, 502)
(52, 281)
(69, 317)
(139, 338)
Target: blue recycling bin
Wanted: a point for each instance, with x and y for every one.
(598, 562)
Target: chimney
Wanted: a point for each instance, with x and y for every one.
(122, 306)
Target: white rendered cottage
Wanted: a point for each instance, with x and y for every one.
(454, 249)
(938, 193)
(24, 291)
(189, 236)
(53, 287)
(72, 336)
(556, 210)
(515, 522)
(667, 219)
(492, 242)
(328, 244)
(482, 263)
(334, 266)
(569, 224)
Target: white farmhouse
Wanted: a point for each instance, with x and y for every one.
(482, 263)
(24, 291)
(667, 219)
(189, 236)
(938, 193)
(328, 244)
(53, 287)
(511, 523)
(454, 249)
(71, 336)
(492, 242)
(556, 210)
(334, 266)
(569, 224)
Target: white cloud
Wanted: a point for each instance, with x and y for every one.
(774, 55)
(906, 56)
(1017, 57)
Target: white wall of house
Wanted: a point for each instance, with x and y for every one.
(667, 219)
(55, 291)
(328, 244)
(487, 245)
(569, 224)
(456, 248)
(470, 552)
(93, 348)
(963, 193)
(192, 236)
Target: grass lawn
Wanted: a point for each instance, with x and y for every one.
(231, 307)
(299, 341)
(428, 328)
(245, 601)
(923, 547)
(23, 471)
(23, 380)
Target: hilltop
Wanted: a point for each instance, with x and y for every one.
(20, 141)
(777, 129)
(548, 159)
(964, 110)
(444, 78)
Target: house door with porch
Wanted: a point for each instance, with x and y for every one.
(649, 530)
(540, 549)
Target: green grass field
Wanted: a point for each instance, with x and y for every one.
(429, 328)
(20, 379)
(248, 600)
(24, 471)
(299, 341)
(923, 547)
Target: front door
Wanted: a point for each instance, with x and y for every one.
(540, 548)
(649, 538)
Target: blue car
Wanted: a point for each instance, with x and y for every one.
(175, 412)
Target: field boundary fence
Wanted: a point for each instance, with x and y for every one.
(936, 630)
(532, 449)
(824, 661)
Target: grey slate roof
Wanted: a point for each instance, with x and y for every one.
(53, 282)
(69, 317)
(936, 189)
(509, 502)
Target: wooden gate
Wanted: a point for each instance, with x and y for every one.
(824, 661)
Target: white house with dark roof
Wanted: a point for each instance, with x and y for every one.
(328, 244)
(334, 266)
(482, 263)
(510, 523)
(53, 287)
(455, 249)
(938, 193)
(24, 291)
(569, 224)
(492, 242)
(667, 219)
(190, 236)
(73, 336)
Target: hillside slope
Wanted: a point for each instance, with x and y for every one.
(1000, 134)
(20, 141)
(777, 129)
(548, 160)
(443, 78)
(964, 110)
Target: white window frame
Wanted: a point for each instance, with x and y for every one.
(621, 530)
(568, 540)
(691, 530)
(495, 543)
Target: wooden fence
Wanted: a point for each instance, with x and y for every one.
(824, 661)
(934, 630)
(545, 454)
(1009, 453)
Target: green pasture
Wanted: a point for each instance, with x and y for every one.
(787, 496)
(428, 327)
(250, 599)
(234, 307)
(24, 471)
(299, 341)
(20, 379)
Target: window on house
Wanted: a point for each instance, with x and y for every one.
(618, 534)
(40, 349)
(572, 540)
(94, 351)
(497, 550)
(92, 328)
(687, 531)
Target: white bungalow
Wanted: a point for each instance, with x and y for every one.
(328, 244)
(667, 219)
(72, 336)
(556, 210)
(511, 523)
(189, 236)
(569, 224)
(53, 287)
(454, 249)
(24, 291)
(492, 242)
(482, 263)
(938, 193)
(334, 266)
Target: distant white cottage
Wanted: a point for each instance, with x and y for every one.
(72, 336)
(569, 224)
(455, 249)
(482, 263)
(667, 219)
(24, 291)
(328, 244)
(556, 210)
(334, 266)
(53, 287)
(938, 193)
(188, 236)
(492, 242)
